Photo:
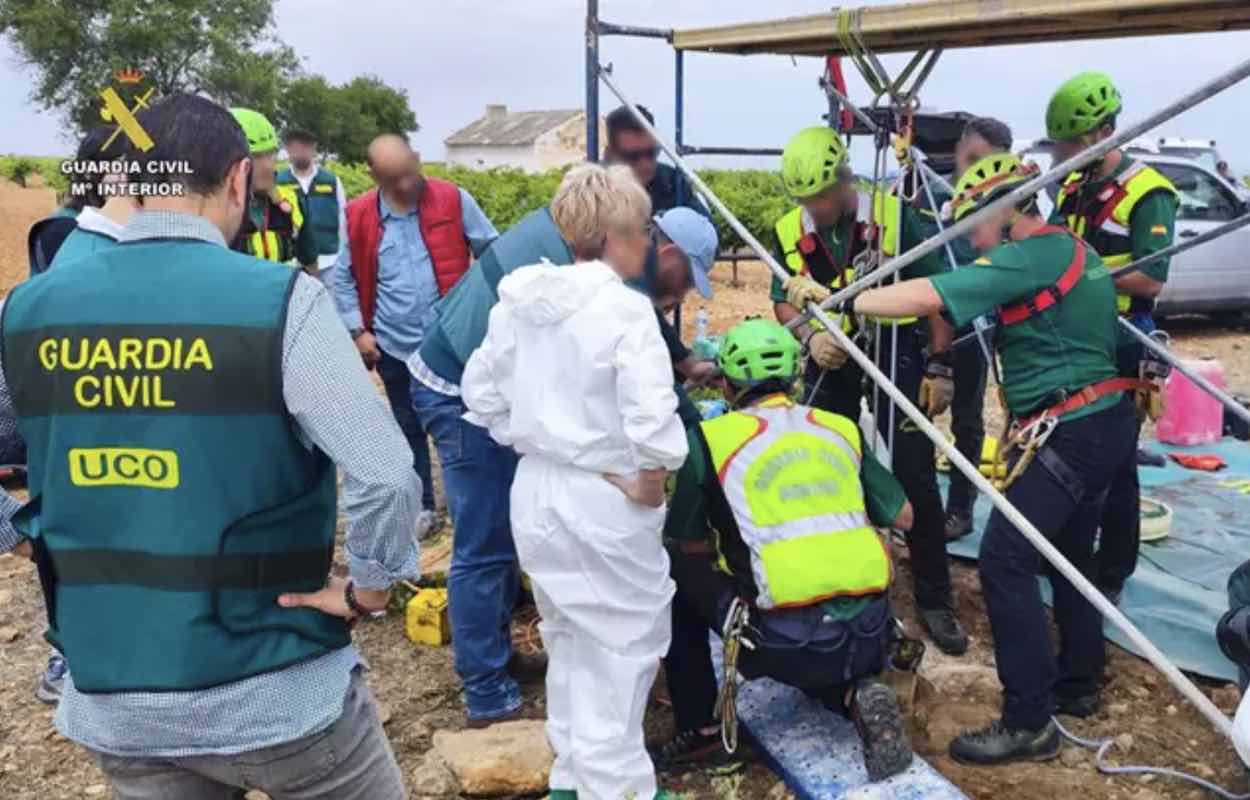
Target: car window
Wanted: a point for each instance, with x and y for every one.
(1203, 196)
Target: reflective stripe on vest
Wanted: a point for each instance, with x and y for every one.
(1106, 224)
(792, 226)
(791, 477)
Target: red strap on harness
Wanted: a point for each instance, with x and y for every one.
(1051, 295)
(1089, 395)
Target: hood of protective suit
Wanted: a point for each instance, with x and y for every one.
(545, 294)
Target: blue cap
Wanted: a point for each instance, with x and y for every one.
(695, 236)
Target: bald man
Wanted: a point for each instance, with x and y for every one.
(408, 242)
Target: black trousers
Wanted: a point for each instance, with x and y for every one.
(967, 422)
(1120, 540)
(838, 391)
(912, 462)
(1062, 493)
(844, 652)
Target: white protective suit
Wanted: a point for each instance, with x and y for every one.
(574, 375)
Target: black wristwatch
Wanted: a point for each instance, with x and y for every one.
(356, 333)
(349, 595)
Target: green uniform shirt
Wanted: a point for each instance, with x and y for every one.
(1065, 348)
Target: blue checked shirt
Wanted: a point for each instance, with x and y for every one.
(335, 407)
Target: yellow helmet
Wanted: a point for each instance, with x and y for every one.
(989, 179)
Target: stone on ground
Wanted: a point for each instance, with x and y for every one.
(510, 758)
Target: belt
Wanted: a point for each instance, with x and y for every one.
(1087, 396)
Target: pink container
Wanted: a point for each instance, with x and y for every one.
(1190, 415)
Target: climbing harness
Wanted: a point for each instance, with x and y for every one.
(737, 622)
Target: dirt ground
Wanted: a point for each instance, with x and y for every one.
(419, 693)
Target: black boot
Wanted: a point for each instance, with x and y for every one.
(695, 749)
(999, 745)
(1083, 706)
(958, 524)
(875, 712)
(944, 629)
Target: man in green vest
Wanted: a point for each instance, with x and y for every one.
(322, 193)
(184, 409)
(1126, 210)
(274, 228)
(773, 513)
(819, 239)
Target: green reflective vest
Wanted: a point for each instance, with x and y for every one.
(790, 475)
(171, 500)
(323, 207)
(1105, 223)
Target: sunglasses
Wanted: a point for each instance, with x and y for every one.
(634, 156)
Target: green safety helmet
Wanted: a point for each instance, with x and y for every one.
(1081, 105)
(987, 180)
(260, 133)
(758, 350)
(811, 161)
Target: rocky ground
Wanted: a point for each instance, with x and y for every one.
(419, 694)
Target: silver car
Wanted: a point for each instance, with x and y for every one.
(1214, 277)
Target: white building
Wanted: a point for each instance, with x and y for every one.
(534, 141)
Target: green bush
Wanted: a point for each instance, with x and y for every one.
(506, 195)
(18, 168)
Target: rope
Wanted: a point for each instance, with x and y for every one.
(1102, 746)
(732, 643)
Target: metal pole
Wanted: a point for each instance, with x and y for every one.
(1004, 506)
(1167, 252)
(872, 126)
(1032, 186)
(592, 80)
(679, 113)
(1206, 385)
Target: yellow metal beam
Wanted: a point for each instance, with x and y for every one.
(971, 23)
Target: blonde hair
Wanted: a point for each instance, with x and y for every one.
(592, 200)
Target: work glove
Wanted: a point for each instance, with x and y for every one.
(937, 388)
(801, 290)
(645, 487)
(825, 351)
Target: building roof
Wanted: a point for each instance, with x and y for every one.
(499, 126)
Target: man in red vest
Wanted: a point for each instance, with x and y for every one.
(408, 242)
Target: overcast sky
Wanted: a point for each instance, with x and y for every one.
(456, 56)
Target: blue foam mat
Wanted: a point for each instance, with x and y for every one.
(1179, 590)
(817, 753)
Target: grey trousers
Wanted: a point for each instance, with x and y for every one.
(350, 760)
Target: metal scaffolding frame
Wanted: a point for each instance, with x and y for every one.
(596, 73)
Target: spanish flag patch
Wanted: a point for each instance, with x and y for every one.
(983, 260)
(1159, 230)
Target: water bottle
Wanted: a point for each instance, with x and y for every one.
(700, 324)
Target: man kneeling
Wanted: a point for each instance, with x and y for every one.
(775, 506)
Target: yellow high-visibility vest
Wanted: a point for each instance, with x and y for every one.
(1107, 229)
(790, 474)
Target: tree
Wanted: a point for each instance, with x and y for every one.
(346, 118)
(226, 49)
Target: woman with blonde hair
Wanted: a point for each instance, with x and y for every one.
(574, 375)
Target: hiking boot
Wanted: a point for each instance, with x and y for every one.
(877, 718)
(1083, 706)
(958, 524)
(528, 667)
(53, 679)
(1000, 745)
(944, 629)
(693, 748)
(478, 723)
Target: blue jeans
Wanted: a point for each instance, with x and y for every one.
(485, 577)
(395, 378)
(1239, 597)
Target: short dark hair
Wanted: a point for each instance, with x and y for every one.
(995, 132)
(102, 143)
(299, 135)
(622, 119)
(186, 127)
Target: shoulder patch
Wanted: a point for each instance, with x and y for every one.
(983, 261)
(1159, 230)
